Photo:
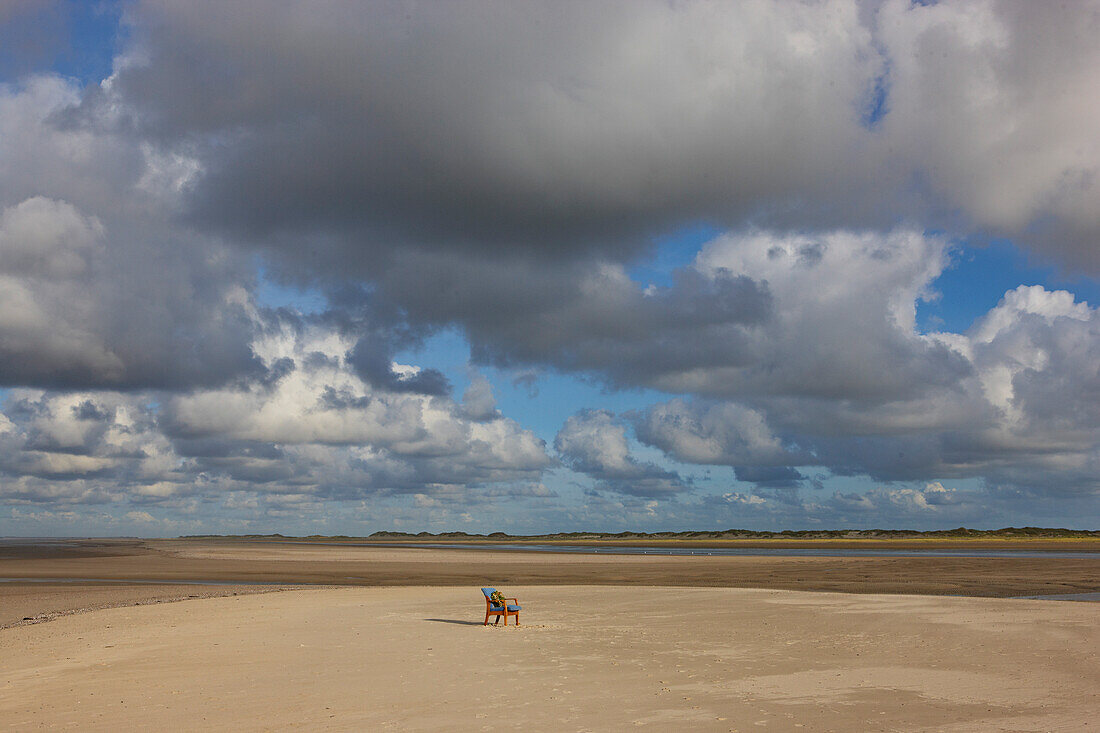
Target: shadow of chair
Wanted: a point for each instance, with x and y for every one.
(453, 621)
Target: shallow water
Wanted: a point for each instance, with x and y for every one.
(1094, 597)
(1088, 597)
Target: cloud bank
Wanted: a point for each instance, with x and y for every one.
(502, 171)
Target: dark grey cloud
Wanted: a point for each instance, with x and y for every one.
(374, 364)
(771, 477)
(96, 288)
(827, 318)
(585, 317)
(390, 144)
(402, 122)
(343, 139)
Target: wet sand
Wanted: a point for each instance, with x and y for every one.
(585, 658)
(35, 603)
(168, 561)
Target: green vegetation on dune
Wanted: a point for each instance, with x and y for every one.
(961, 533)
(736, 534)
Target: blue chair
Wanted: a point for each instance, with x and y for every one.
(505, 609)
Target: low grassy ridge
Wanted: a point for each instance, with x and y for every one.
(961, 533)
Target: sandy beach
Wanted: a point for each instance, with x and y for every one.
(215, 635)
(586, 658)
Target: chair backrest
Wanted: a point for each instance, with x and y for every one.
(488, 591)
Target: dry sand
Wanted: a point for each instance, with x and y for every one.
(586, 658)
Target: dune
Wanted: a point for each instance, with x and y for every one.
(585, 658)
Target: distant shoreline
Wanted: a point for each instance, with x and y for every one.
(733, 534)
(1031, 537)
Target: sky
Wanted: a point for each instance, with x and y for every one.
(333, 268)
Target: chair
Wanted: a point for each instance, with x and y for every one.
(505, 609)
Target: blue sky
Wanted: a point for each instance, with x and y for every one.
(378, 272)
(74, 39)
(980, 276)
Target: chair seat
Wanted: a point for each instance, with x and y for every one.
(511, 607)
